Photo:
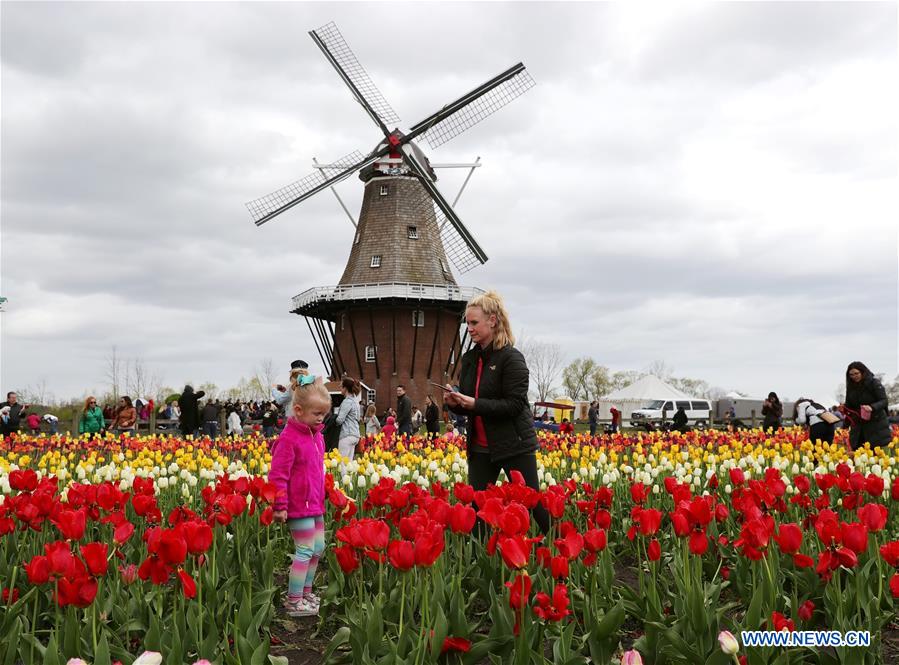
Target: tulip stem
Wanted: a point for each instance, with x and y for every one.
(402, 603)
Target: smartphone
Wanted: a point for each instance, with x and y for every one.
(443, 388)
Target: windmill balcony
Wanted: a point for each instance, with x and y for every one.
(325, 297)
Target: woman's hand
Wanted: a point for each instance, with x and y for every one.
(459, 400)
(280, 516)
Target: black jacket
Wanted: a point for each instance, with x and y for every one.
(502, 400)
(190, 411)
(432, 418)
(403, 412)
(877, 430)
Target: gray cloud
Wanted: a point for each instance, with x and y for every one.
(710, 185)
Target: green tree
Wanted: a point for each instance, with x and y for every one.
(600, 381)
(576, 378)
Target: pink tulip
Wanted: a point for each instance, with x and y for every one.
(632, 657)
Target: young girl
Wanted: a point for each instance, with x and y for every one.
(298, 471)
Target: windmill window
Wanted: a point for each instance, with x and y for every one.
(418, 319)
(446, 270)
(384, 190)
(356, 240)
(371, 396)
(370, 354)
(413, 232)
(376, 261)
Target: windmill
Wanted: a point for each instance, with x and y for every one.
(394, 317)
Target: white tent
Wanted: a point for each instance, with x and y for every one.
(637, 395)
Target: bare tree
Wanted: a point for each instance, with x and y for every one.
(210, 389)
(265, 374)
(576, 378)
(37, 394)
(114, 373)
(545, 363)
(660, 369)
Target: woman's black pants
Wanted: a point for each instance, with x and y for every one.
(482, 471)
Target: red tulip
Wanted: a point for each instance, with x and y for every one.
(894, 585)
(650, 521)
(401, 554)
(38, 569)
(188, 586)
(639, 493)
(789, 538)
(128, 573)
(462, 518)
(737, 477)
(122, 533)
(855, 536)
(571, 544)
(806, 610)
(8, 599)
(71, 523)
(459, 644)
(23, 480)
(428, 547)
(94, 555)
(520, 591)
(464, 493)
(79, 592)
(874, 485)
(779, 622)
(595, 540)
(654, 551)
(874, 516)
(60, 558)
(515, 551)
(346, 558)
(559, 567)
(375, 533)
(803, 561)
(890, 553)
(699, 543)
(197, 535)
(554, 609)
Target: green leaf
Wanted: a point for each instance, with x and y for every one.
(12, 640)
(29, 646)
(51, 653)
(340, 638)
(281, 660)
(611, 622)
(71, 641)
(102, 657)
(495, 646)
(260, 654)
(244, 649)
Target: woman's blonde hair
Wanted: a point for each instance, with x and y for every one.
(491, 303)
(302, 394)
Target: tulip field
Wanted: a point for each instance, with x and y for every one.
(662, 548)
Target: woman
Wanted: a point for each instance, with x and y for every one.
(809, 413)
(92, 421)
(348, 417)
(493, 393)
(772, 412)
(190, 410)
(125, 418)
(865, 408)
(432, 418)
(233, 422)
(372, 424)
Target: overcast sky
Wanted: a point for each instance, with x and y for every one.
(712, 185)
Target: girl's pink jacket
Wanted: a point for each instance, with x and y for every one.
(298, 470)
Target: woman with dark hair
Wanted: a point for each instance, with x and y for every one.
(348, 416)
(493, 393)
(190, 410)
(432, 418)
(865, 408)
(772, 412)
(125, 418)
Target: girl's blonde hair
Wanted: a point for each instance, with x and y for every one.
(370, 411)
(491, 303)
(303, 394)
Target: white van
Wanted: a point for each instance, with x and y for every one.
(698, 412)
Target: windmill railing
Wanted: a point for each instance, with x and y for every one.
(384, 291)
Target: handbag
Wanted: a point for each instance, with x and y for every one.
(864, 413)
(828, 417)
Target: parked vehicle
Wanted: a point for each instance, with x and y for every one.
(698, 412)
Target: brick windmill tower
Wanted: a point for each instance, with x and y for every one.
(394, 318)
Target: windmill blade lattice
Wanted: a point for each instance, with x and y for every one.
(482, 107)
(346, 59)
(266, 205)
(458, 251)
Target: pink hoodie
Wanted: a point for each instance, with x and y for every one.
(298, 470)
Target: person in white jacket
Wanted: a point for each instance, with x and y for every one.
(233, 424)
(809, 413)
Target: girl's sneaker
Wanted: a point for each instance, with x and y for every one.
(301, 608)
(313, 600)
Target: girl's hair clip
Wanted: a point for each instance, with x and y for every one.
(305, 380)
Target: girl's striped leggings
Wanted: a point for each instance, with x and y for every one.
(309, 542)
